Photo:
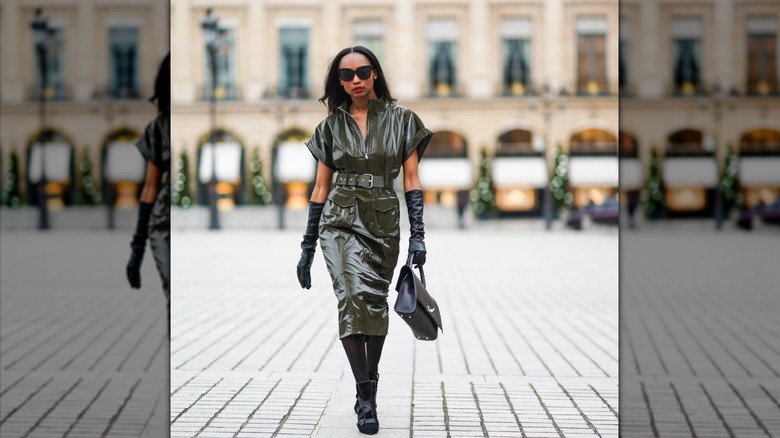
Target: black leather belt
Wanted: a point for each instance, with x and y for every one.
(365, 180)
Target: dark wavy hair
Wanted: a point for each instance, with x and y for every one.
(334, 93)
(162, 87)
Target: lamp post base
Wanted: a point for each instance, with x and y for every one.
(43, 210)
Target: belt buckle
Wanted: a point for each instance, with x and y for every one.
(362, 180)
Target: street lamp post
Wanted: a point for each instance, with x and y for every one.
(109, 108)
(41, 33)
(717, 101)
(548, 102)
(275, 103)
(211, 33)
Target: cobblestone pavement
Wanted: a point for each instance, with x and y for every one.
(82, 354)
(700, 318)
(530, 347)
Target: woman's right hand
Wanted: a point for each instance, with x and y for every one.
(133, 269)
(304, 268)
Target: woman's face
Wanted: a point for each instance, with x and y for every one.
(357, 75)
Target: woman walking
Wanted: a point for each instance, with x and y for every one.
(366, 140)
(154, 209)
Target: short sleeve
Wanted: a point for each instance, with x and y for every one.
(321, 144)
(416, 135)
(148, 142)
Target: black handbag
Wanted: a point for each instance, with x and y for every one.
(415, 305)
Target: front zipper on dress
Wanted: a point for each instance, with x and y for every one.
(362, 140)
(365, 147)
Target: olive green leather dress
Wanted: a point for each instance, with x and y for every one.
(359, 227)
(155, 146)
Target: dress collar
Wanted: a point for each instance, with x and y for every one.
(374, 105)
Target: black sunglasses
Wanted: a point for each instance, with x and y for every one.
(346, 74)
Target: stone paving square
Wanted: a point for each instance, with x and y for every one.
(700, 355)
(81, 353)
(529, 347)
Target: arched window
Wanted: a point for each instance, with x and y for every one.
(761, 141)
(517, 142)
(686, 142)
(292, 168)
(51, 153)
(628, 147)
(227, 165)
(446, 144)
(122, 168)
(593, 142)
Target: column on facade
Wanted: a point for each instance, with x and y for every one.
(85, 35)
(555, 35)
(254, 46)
(724, 52)
(12, 84)
(332, 27)
(182, 63)
(649, 77)
(408, 83)
(555, 32)
(160, 22)
(477, 65)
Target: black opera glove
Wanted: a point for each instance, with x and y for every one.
(138, 245)
(309, 244)
(414, 206)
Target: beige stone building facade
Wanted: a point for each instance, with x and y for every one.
(102, 60)
(701, 76)
(466, 67)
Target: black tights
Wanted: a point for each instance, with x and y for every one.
(363, 353)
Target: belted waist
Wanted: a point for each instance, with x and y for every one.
(365, 180)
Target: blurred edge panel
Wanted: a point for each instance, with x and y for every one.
(699, 180)
(83, 353)
(74, 99)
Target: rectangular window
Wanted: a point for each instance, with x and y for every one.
(516, 50)
(442, 46)
(123, 62)
(686, 49)
(369, 34)
(224, 75)
(762, 57)
(592, 56)
(294, 60)
(50, 67)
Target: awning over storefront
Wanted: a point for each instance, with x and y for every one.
(123, 163)
(57, 158)
(294, 163)
(631, 175)
(593, 171)
(690, 172)
(759, 171)
(228, 163)
(446, 174)
(519, 172)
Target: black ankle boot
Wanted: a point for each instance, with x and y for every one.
(368, 422)
(374, 378)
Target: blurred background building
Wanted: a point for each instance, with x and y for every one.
(700, 108)
(76, 79)
(502, 84)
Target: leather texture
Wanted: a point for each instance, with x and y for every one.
(416, 306)
(414, 207)
(309, 244)
(360, 227)
(365, 180)
(138, 245)
(368, 422)
(154, 146)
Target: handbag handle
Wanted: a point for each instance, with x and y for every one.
(422, 273)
